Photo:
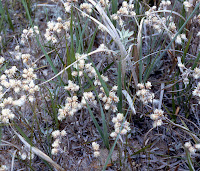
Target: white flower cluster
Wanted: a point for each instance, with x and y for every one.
(57, 135)
(86, 7)
(28, 33)
(55, 27)
(97, 81)
(164, 4)
(192, 149)
(88, 97)
(26, 154)
(111, 100)
(26, 58)
(196, 73)
(196, 92)
(10, 81)
(161, 23)
(17, 54)
(82, 67)
(184, 73)
(28, 75)
(125, 9)
(31, 88)
(2, 60)
(70, 108)
(3, 168)
(144, 93)
(157, 117)
(95, 147)
(118, 121)
(6, 115)
(71, 86)
(104, 3)
(187, 5)
(71, 105)
(153, 20)
(180, 38)
(68, 4)
(10, 72)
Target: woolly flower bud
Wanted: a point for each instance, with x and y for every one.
(23, 156)
(54, 151)
(95, 146)
(96, 154)
(55, 133)
(113, 134)
(56, 143)
(1, 60)
(159, 112)
(197, 146)
(63, 133)
(124, 131)
(115, 88)
(154, 116)
(196, 73)
(120, 116)
(188, 144)
(140, 85)
(157, 123)
(3, 167)
(180, 65)
(192, 150)
(148, 85)
(183, 36)
(114, 119)
(178, 39)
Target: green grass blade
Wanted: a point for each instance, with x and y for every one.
(119, 90)
(142, 149)
(92, 41)
(105, 129)
(196, 61)
(9, 20)
(186, 49)
(191, 167)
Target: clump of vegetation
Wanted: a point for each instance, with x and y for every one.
(99, 85)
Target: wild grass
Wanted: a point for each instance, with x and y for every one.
(124, 75)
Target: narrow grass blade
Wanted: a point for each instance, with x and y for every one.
(142, 149)
(191, 167)
(119, 89)
(186, 49)
(105, 129)
(9, 20)
(92, 41)
(196, 61)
